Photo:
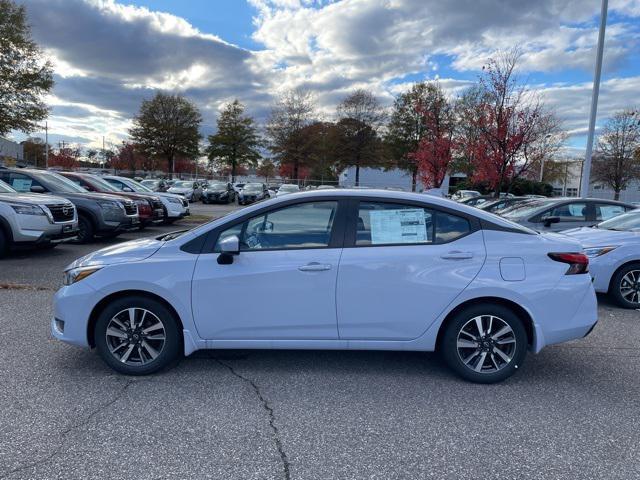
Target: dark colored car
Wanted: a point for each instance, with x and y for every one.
(477, 200)
(150, 209)
(218, 192)
(557, 214)
(253, 192)
(498, 204)
(99, 214)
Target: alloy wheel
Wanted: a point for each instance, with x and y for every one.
(486, 344)
(135, 336)
(630, 286)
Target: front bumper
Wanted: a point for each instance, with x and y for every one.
(72, 306)
(37, 230)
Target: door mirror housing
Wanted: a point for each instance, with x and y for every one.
(229, 247)
(549, 220)
(37, 189)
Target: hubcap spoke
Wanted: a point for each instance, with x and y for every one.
(135, 336)
(493, 348)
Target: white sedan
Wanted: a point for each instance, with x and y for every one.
(362, 269)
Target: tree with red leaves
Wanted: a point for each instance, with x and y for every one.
(287, 170)
(65, 158)
(511, 125)
(435, 149)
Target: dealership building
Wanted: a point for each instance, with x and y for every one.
(11, 153)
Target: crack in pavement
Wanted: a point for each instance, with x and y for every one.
(68, 430)
(270, 413)
(24, 286)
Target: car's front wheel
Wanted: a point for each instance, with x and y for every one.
(137, 336)
(484, 343)
(625, 286)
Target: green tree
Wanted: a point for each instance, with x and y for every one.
(359, 145)
(292, 113)
(236, 143)
(25, 77)
(267, 169)
(167, 126)
(405, 130)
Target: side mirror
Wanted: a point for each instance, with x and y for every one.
(87, 188)
(549, 220)
(37, 189)
(229, 247)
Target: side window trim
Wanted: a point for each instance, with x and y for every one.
(352, 219)
(336, 238)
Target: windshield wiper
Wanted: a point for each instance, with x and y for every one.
(171, 235)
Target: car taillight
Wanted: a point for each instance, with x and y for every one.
(578, 262)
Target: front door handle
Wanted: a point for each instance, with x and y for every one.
(314, 267)
(456, 255)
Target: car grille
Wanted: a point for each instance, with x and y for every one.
(130, 208)
(62, 212)
(157, 204)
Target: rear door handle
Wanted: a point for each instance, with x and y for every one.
(314, 267)
(456, 255)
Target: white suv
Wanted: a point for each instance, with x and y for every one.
(34, 220)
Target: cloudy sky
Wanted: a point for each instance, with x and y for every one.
(110, 55)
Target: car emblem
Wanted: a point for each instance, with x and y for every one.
(66, 210)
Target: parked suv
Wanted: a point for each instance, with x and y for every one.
(189, 189)
(150, 209)
(219, 192)
(175, 206)
(99, 214)
(34, 220)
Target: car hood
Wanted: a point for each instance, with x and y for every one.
(598, 237)
(215, 190)
(165, 194)
(179, 190)
(94, 196)
(32, 198)
(133, 251)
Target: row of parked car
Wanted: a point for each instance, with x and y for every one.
(224, 192)
(609, 232)
(44, 208)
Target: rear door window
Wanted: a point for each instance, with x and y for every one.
(605, 211)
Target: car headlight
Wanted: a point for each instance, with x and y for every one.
(174, 200)
(23, 209)
(76, 274)
(598, 251)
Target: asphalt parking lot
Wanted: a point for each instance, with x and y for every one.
(571, 412)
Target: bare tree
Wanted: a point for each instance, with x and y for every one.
(360, 117)
(617, 160)
(512, 124)
(294, 110)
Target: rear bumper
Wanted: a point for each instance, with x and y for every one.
(577, 326)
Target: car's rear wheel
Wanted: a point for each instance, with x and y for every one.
(86, 232)
(484, 343)
(137, 336)
(625, 286)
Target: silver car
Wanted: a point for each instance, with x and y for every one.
(557, 214)
(613, 248)
(34, 219)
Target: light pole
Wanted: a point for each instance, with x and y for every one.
(586, 171)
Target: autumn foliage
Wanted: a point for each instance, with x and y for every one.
(65, 159)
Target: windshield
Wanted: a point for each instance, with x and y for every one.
(627, 221)
(137, 187)
(151, 183)
(522, 210)
(103, 184)
(289, 188)
(4, 188)
(183, 184)
(58, 183)
(253, 187)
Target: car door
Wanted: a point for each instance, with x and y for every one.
(570, 214)
(282, 284)
(401, 266)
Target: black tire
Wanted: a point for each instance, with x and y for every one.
(4, 243)
(493, 368)
(170, 352)
(86, 230)
(623, 275)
